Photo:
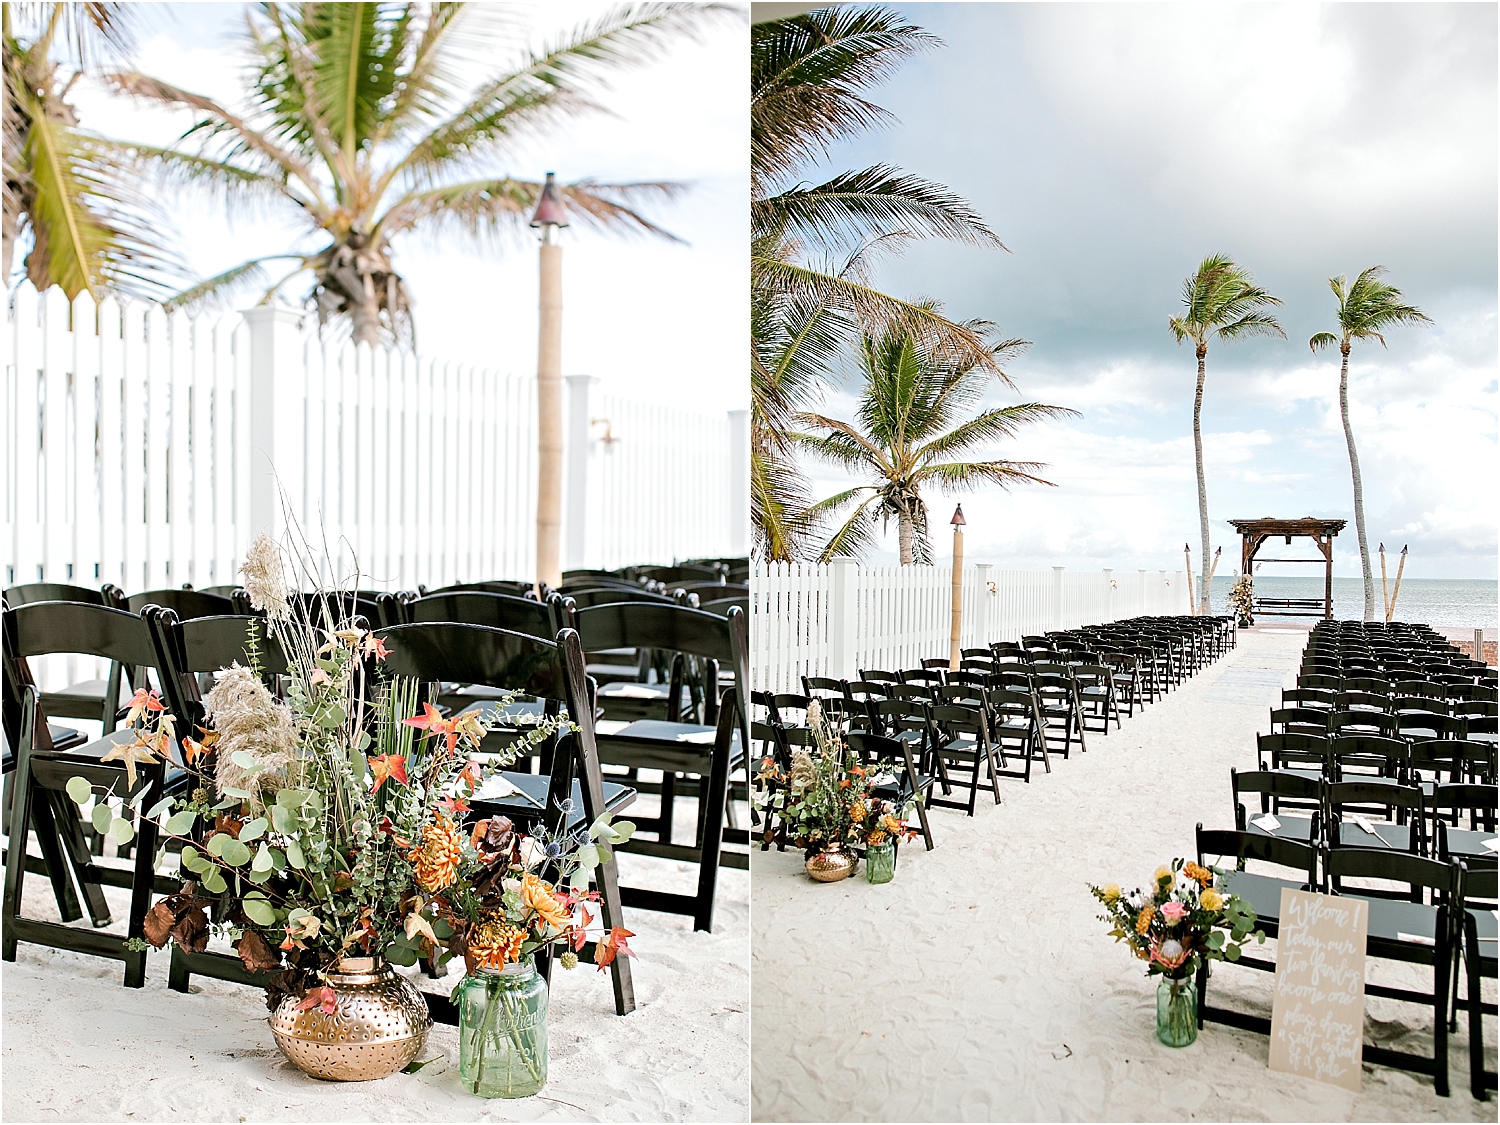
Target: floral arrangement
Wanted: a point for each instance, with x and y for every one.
(328, 823)
(830, 794)
(1179, 920)
(1242, 600)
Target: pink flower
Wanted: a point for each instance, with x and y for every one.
(1174, 912)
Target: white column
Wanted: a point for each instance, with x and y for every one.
(982, 616)
(1109, 593)
(841, 620)
(1057, 597)
(576, 445)
(273, 456)
(739, 482)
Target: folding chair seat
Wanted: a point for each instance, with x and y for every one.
(910, 783)
(1412, 930)
(1402, 826)
(41, 777)
(1300, 720)
(710, 752)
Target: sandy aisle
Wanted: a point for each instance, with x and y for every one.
(80, 1047)
(979, 984)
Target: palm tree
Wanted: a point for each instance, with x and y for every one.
(358, 126)
(1365, 308)
(89, 230)
(812, 245)
(916, 416)
(1220, 301)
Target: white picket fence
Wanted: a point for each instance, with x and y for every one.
(834, 619)
(146, 449)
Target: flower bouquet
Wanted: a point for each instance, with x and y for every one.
(1176, 923)
(1242, 600)
(322, 828)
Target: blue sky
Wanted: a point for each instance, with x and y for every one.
(652, 320)
(1114, 146)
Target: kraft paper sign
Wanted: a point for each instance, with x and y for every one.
(1318, 1014)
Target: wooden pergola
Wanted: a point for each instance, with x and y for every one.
(1253, 535)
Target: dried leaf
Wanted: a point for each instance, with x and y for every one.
(256, 953)
(191, 931)
(159, 922)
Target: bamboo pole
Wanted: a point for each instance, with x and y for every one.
(1385, 590)
(1212, 570)
(1187, 562)
(1396, 593)
(957, 615)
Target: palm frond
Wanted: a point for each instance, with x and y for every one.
(992, 425)
(1323, 340)
(222, 285)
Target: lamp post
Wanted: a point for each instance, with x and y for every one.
(958, 522)
(550, 216)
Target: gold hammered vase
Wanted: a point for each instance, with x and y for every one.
(379, 1026)
(830, 864)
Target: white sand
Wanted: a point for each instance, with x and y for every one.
(980, 986)
(80, 1047)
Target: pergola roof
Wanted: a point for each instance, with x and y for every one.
(1307, 525)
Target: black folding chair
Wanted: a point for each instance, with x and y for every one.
(712, 751)
(41, 800)
(552, 672)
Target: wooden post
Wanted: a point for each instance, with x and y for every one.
(1212, 570)
(956, 617)
(1385, 590)
(1325, 544)
(1396, 593)
(549, 417)
(1187, 557)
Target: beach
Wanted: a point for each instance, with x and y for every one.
(80, 1047)
(980, 985)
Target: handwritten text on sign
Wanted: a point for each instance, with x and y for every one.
(1318, 1014)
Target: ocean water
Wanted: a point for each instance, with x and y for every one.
(1455, 602)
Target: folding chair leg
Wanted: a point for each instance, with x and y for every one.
(989, 755)
(1440, 1021)
(913, 781)
(716, 785)
(70, 832)
(39, 816)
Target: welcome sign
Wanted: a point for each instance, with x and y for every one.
(1318, 1014)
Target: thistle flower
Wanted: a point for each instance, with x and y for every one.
(265, 578)
(247, 718)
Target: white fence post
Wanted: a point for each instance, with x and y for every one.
(1109, 594)
(739, 482)
(273, 460)
(841, 622)
(1057, 597)
(981, 615)
(575, 507)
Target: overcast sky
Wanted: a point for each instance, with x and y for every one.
(1114, 146)
(653, 320)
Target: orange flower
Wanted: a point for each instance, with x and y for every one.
(1143, 923)
(436, 859)
(537, 895)
(495, 943)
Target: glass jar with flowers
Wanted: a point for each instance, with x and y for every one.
(1175, 924)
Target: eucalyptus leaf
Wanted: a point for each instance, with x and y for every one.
(216, 843)
(233, 852)
(260, 876)
(180, 823)
(259, 911)
(192, 860)
(400, 954)
(282, 819)
(103, 817)
(160, 807)
(244, 759)
(1232, 953)
(227, 803)
(294, 855)
(213, 881)
(332, 718)
(364, 740)
(80, 790)
(242, 794)
(357, 764)
(588, 857)
(292, 798)
(121, 831)
(254, 830)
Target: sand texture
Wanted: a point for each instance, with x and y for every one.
(80, 1047)
(980, 986)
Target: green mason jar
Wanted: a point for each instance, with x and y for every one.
(1177, 1011)
(502, 1031)
(880, 862)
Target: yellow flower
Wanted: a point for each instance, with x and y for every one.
(1143, 923)
(1111, 892)
(1211, 900)
(1163, 874)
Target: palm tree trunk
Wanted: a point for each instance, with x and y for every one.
(1202, 486)
(1359, 489)
(904, 535)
